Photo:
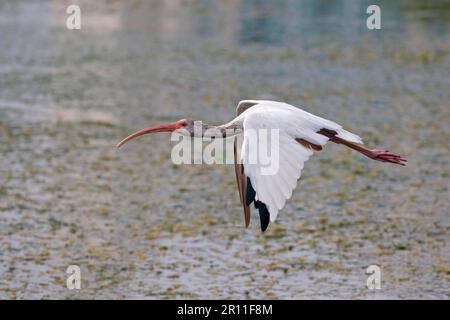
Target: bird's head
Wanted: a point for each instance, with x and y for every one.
(182, 126)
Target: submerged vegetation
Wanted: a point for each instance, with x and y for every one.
(141, 227)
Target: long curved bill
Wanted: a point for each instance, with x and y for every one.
(167, 127)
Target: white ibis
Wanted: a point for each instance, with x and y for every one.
(300, 133)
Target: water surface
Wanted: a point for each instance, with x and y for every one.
(141, 227)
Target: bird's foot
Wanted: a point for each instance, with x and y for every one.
(386, 156)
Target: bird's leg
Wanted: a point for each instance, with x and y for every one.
(375, 154)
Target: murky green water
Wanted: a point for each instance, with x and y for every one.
(140, 227)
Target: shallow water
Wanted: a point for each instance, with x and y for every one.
(141, 227)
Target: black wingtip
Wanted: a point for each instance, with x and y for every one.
(250, 194)
(264, 215)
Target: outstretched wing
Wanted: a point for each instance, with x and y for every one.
(282, 132)
(274, 183)
(289, 136)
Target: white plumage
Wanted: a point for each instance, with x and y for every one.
(292, 123)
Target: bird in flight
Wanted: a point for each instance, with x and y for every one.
(300, 133)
